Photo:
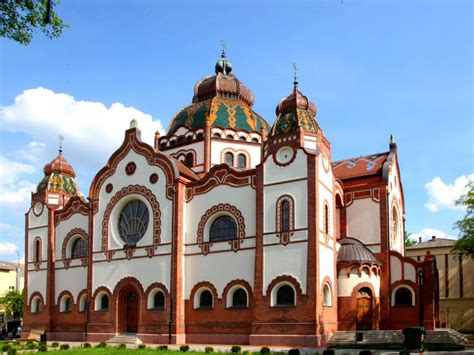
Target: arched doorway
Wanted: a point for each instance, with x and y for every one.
(129, 310)
(364, 309)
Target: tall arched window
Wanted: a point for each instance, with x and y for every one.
(285, 216)
(65, 305)
(36, 305)
(189, 160)
(242, 161)
(285, 296)
(403, 297)
(285, 208)
(205, 299)
(327, 297)
(229, 159)
(37, 250)
(326, 218)
(239, 298)
(223, 228)
(79, 248)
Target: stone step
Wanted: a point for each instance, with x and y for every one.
(124, 338)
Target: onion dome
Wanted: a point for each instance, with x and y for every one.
(295, 112)
(224, 100)
(353, 251)
(59, 177)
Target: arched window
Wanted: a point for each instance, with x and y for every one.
(37, 250)
(217, 135)
(285, 296)
(199, 136)
(223, 228)
(36, 306)
(104, 302)
(189, 160)
(189, 138)
(133, 222)
(65, 305)
(285, 216)
(239, 298)
(255, 140)
(242, 161)
(230, 136)
(159, 300)
(242, 138)
(403, 297)
(82, 303)
(229, 159)
(79, 248)
(326, 218)
(205, 299)
(327, 297)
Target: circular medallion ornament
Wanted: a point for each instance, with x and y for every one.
(38, 208)
(285, 155)
(109, 188)
(130, 168)
(154, 178)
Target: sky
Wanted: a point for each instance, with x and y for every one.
(373, 68)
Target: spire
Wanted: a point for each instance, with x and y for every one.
(223, 65)
(295, 77)
(61, 139)
(392, 145)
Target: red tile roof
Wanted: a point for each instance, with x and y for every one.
(362, 166)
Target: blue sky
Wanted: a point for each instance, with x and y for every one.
(372, 67)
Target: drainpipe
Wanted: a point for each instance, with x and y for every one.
(171, 268)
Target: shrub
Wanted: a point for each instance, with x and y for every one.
(235, 349)
(264, 350)
(141, 346)
(246, 352)
(122, 346)
(17, 343)
(55, 344)
(30, 345)
(184, 348)
(11, 351)
(42, 347)
(5, 347)
(64, 347)
(209, 349)
(294, 352)
(87, 345)
(162, 348)
(102, 344)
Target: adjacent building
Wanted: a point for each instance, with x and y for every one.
(11, 279)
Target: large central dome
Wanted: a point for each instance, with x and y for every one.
(224, 100)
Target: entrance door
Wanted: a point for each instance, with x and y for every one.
(131, 312)
(364, 309)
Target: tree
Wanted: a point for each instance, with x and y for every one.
(19, 18)
(465, 244)
(409, 242)
(12, 302)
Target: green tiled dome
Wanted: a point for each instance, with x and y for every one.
(58, 176)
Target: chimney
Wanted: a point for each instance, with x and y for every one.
(433, 238)
(419, 240)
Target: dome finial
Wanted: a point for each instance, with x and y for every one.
(223, 65)
(61, 139)
(224, 47)
(295, 75)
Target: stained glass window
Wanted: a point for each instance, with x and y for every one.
(133, 222)
(223, 228)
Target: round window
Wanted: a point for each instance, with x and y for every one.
(133, 222)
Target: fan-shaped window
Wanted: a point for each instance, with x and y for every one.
(242, 161)
(327, 297)
(229, 159)
(217, 135)
(205, 299)
(403, 297)
(159, 300)
(104, 302)
(285, 296)
(79, 248)
(285, 216)
(133, 222)
(223, 228)
(239, 298)
(189, 160)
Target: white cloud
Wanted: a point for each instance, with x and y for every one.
(7, 248)
(427, 233)
(10, 171)
(442, 195)
(15, 190)
(90, 129)
(34, 152)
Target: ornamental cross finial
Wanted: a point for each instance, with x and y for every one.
(61, 139)
(295, 75)
(224, 47)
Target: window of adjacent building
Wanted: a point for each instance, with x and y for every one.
(327, 296)
(285, 296)
(133, 222)
(242, 161)
(403, 297)
(239, 298)
(223, 228)
(79, 248)
(229, 159)
(189, 160)
(205, 299)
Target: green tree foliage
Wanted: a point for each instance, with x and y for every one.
(19, 18)
(12, 301)
(409, 242)
(465, 244)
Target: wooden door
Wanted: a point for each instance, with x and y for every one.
(364, 311)
(131, 313)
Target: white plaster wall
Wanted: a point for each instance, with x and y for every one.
(297, 169)
(77, 220)
(327, 178)
(410, 272)
(145, 270)
(326, 195)
(395, 269)
(363, 220)
(37, 283)
(198, 147)
(296, 189)
(345, 285)
(73, 280)
(244, 198)
(38, 221)
(326, 264)
(32, 234)
(141, 177)
(217, 146)
(285, 260)
(219, 269)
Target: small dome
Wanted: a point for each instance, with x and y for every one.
(59, 165)
(59, 176)
(293, 112)
(354, 251)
